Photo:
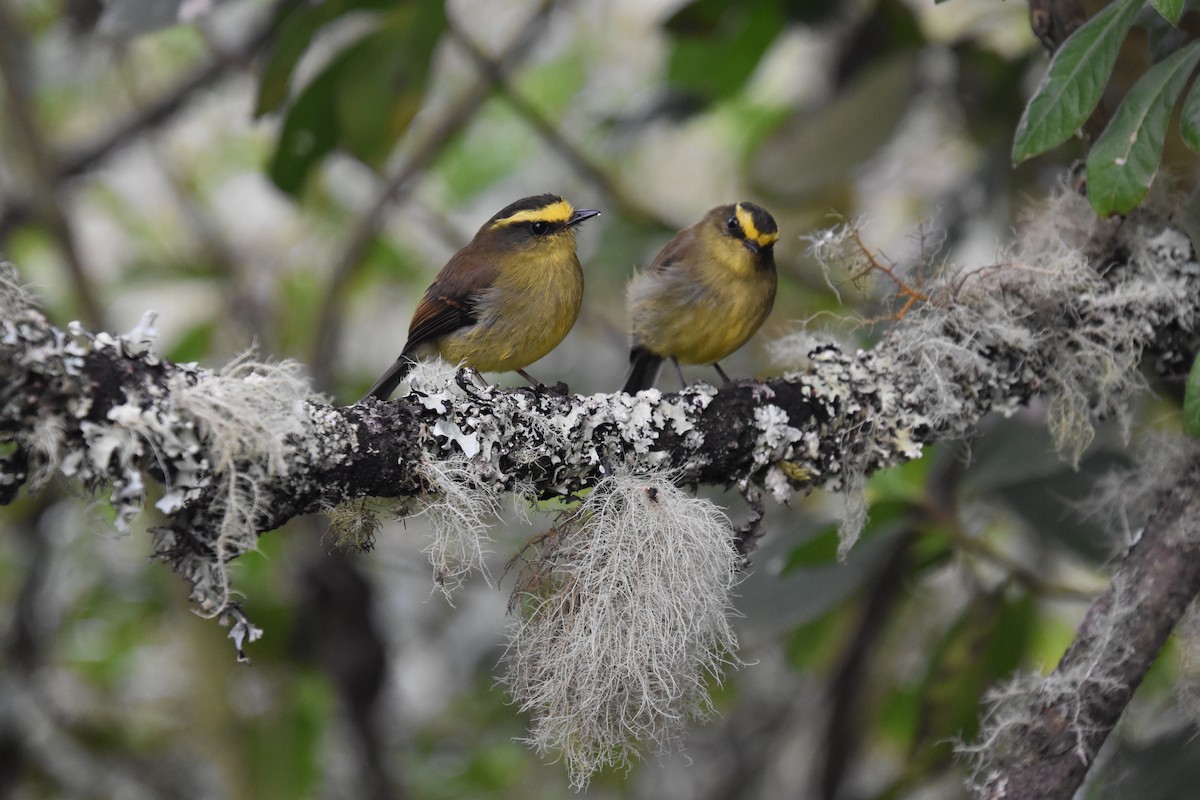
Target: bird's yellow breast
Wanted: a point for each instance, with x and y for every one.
(527, 311)
(701, 309)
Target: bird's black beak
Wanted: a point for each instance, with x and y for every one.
(580, 215)
(753, 246)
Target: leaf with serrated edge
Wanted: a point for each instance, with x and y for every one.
(1124, 159)
(1073, 84)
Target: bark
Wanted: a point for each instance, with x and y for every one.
(1044, 736)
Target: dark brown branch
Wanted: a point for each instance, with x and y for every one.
(243, 451)
(1043, 741)
(847, 688)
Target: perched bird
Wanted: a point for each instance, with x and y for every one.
(706, 293)
(504, 300)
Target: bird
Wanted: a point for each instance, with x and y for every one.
(706, 292)
(505, 299)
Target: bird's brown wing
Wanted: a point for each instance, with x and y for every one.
(449, 302)
(671, 253)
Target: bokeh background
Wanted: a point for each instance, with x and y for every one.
(289, 176)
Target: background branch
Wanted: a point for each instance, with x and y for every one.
(1042, 736)
(43, 167)
(16, 211)
(423, 154)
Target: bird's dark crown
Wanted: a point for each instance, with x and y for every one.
(543, 207)
(764, 223)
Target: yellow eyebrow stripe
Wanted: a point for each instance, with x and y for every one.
(561, 211)
(746, 220)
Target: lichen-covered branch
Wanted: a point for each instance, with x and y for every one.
(242, 450)
(1041, 735)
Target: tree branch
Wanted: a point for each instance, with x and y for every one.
(243, 450)
(1041, 736)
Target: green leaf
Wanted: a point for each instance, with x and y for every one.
(1189, 118)
(1191, 401)
(296, 27)
(1074, 82)
(717, 45)
(309, 132)
(365, 97)
(1124, 159)
(384, 80)
(295, 32)
(1172, 10)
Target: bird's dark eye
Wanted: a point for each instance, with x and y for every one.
(539, 228)
(732, 224)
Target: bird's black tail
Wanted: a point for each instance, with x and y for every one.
(643, 370)
(388, 382)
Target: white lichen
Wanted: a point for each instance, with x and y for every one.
(624, 621)
(970, 341)
(15, 297)
(354, 525)
(247, 417)
(854, 512)
(247, 410)
(461, 508)
(44, 443)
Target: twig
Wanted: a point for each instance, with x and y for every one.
(874, 264)
(587, 168)
(42, 165)
(423, 154)
(1016, 570)
(69, 164)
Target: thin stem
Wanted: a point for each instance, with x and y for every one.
(423, 154)
(67, 165)
(589, 169)
(43, 169)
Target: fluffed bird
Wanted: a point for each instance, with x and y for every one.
(705, 293)
(503, 301)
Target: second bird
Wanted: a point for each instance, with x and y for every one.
(705, 294)
(503, 301)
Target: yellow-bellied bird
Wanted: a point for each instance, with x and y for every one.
(503, 301)
(704, 295)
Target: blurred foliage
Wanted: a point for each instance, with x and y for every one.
(362, 100)
(294, 133)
